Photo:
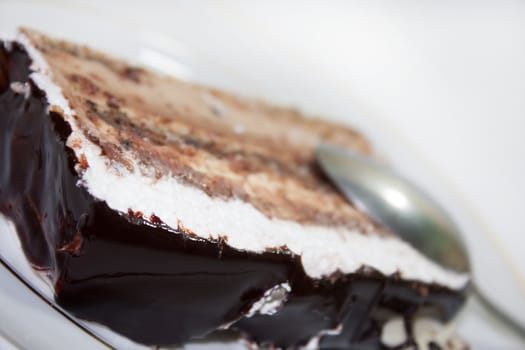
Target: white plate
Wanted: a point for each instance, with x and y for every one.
(227, 58)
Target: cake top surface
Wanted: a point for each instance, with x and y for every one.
(225, 145)
(214, 165)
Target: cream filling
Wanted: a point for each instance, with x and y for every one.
(271, 301)
(426, 331)
(323, 250)
(313, 344)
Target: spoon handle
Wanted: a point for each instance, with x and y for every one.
(498, 313)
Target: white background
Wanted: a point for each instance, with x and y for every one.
(446, 79)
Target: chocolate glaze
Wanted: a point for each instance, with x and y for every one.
(158, 285)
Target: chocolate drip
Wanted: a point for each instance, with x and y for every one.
(160, 285)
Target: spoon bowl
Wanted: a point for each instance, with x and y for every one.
(397, 204)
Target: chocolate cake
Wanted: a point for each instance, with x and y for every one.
(166, 210)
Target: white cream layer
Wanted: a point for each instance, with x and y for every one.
(323, 250)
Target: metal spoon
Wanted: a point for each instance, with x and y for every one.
(394, 202)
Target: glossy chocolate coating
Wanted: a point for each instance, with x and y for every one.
(159, 286)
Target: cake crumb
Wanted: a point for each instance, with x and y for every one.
(74, 246)
(85, 84)
(83, 162)
(21, 88)
(155, 219)
(132, 73)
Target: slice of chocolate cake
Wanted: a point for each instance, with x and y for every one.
(165, 210)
